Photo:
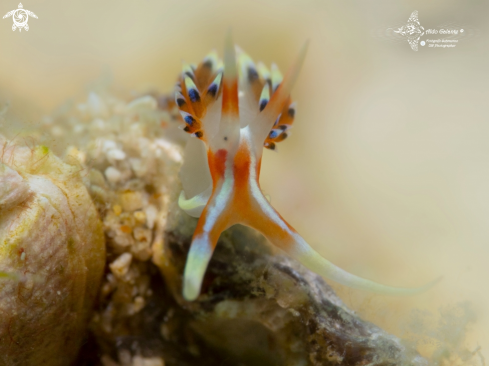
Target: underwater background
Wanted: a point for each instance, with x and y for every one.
(386, 172)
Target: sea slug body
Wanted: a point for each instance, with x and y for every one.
(233, 110)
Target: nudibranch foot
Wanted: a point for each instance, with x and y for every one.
(232, 111)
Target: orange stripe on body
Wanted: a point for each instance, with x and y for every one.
(221, 224)
(241, 168)
(217, 165)
(241, 204)
(271, 229)
(230, 103)
(247, 208)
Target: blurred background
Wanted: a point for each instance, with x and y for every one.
(387, 169)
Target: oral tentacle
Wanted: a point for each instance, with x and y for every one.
(281, 234)
(303, 252)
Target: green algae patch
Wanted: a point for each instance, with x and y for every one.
(44, 149)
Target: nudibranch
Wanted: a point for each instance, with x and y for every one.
(233, 110)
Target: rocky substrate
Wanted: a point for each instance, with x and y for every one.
(258, 307)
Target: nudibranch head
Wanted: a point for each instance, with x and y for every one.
(206, 99)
